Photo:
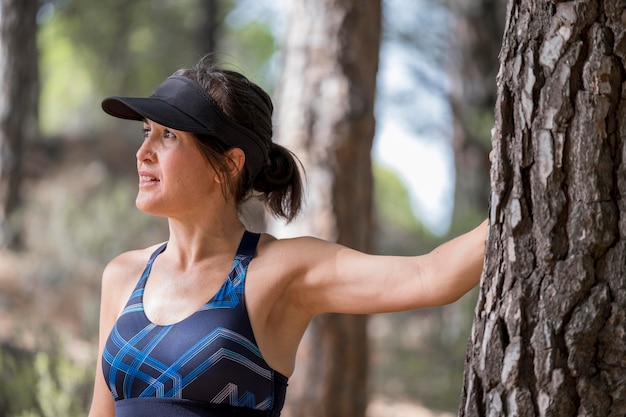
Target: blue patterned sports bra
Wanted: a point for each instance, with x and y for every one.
(205, 365)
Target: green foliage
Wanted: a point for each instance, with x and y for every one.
(42, 384)
(250, 49)
(66, 87)
(91, 49)
(478, 121)
(127, 45)
(392, 200)
(16, 391)
(398, 230)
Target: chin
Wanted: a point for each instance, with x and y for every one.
(146, 206)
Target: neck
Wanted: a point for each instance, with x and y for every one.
(192, 241)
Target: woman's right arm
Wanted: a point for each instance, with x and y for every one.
(115, 290)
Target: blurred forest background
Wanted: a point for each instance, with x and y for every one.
(79, 181)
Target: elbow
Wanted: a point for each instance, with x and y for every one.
(455, 294)
(449, 294)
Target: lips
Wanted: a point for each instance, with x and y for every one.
(145, 178)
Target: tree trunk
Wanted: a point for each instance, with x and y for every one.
(549, 337)
(208, 26)
(326, 116)
(19, 95)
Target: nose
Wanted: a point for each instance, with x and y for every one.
(145, 153)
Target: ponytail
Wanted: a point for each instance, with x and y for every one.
(280, 183)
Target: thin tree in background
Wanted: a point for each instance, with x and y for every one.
(549, 333)
(476, 39)
(208, 26)
(326, 116)
(468, 51)
(19, 91)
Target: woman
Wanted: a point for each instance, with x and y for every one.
(165, 349)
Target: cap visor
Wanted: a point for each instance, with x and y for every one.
(159, 111)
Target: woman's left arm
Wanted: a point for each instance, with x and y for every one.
(341, 280)
(455, 267)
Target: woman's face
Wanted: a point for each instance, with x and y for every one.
(175, 179)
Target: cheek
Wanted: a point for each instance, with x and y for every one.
(197, 173)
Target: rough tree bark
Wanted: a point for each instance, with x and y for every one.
(549, 338)
(326, 116)
(19, 96)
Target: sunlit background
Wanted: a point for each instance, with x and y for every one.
(419, 153)
(80, 185)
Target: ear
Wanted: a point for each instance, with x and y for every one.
(235, 161)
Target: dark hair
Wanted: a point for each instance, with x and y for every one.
(278, 183)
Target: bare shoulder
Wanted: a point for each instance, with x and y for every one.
(294, 245)
(121, 275)
(297, 253)
(127, 264)
(299, 274)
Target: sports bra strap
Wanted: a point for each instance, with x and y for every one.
(156, 253)
(248, 243)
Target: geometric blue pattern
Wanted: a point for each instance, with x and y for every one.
(210, 357)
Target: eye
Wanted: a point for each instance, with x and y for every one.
(146, 131)
(169, 134)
